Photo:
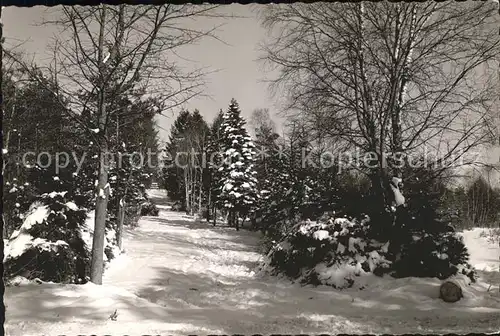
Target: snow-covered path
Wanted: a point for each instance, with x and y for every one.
(179, 275)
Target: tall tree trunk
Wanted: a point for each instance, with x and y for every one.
(9, 131)
(4, 223)
(209, 205)
(121, 218)
(193, 192)
(236, 220)
(229, 218)
(186, 188)
(244, 215)
(201, 192)
(18, 164)
(97, 262)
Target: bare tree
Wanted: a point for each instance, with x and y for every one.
(261, 122)
(106, 52)
(386, 77)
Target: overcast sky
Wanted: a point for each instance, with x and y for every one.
(239, 76)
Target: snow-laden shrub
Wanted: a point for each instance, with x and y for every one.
(425, 246)
(337, 251)
(332, 252)
(439, 255)
(148, 208)
(49, 244)
(132, 215)
(422, 241)
(17, 198)
(111, 249)
(178, 206)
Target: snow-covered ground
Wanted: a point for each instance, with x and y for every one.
(483, 248)
(158, 195)
(179, 275)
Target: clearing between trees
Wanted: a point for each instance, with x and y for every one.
(180, 274)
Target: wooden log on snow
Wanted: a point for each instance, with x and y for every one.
(450, 292)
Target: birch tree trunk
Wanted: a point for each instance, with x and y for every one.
(192, 190)
(186, 188)
(200, 195)
(121, 218)
(209, 206)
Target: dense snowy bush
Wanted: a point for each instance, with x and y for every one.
(423, 243)
(17, 198)
(439, 255)
(132, 215)
(425, 246)
(178, 206)
(49, 244)
(338, 251)
(332, 252)
(148, 208)
(291, 195)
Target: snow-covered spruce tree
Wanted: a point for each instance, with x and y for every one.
(292, 190)
(239, 184)
(49, 244)
(277, 199)
(267, 160)
(424, 242)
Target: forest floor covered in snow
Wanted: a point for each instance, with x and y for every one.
(180, 275)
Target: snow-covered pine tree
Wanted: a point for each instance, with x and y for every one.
(275, 181)
(239, 184)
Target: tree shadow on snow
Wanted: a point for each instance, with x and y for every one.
(225, 303)
(241, 236)
(59, 303)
